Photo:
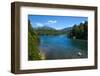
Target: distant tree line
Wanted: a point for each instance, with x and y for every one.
(79, 31)
(49, 32)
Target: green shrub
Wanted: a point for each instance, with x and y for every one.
(33, 42)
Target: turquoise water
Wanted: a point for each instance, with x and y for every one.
(61, 47)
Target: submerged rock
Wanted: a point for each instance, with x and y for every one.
(79, 54)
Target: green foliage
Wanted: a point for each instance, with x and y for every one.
(33, 42)
(79, 31)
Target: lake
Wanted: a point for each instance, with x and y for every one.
(61, 47)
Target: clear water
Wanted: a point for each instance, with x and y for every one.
(61, 47)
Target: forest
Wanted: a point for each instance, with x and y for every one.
(33, 42)
(79, 31)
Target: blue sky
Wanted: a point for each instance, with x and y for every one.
(57, 22)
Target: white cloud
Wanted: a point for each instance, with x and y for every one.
(52, 21)
(39, 24)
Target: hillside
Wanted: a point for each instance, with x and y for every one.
(33, 42)
(45, 30)
(79, 31)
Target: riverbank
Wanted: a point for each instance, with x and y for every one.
(79, 39)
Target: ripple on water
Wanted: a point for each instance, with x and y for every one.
(60, 47)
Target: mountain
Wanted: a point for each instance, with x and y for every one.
(44, 28)
(66, 29)
(51, 28)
